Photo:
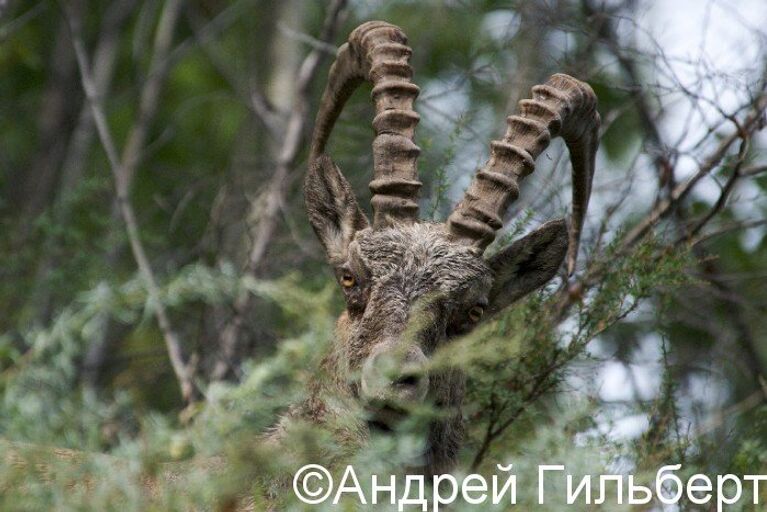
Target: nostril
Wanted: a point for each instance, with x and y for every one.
(407, 380)
(395, 372)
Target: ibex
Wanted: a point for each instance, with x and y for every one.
(398, 265)
(389, 268)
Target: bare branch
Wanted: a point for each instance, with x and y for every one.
(278, 184)
(150, 93)
(754, 170)
(80, 141)
(752, 122)
(122, 171)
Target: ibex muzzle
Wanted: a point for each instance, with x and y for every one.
(411, 286)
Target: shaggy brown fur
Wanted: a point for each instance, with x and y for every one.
(414, 290)
(412, 286)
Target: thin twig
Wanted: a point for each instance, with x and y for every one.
(752, 122)
(317, 44)
(725, 194)
(251, 95)
(729, 228)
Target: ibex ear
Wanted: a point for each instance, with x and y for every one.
(527, 264)
(332, 208)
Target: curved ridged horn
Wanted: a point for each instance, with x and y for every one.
(564, 107)
(377, 51)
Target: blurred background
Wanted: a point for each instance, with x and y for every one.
(155, 246)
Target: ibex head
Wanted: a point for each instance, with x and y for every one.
(397, 266)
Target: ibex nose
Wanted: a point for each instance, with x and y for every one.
(395, 374)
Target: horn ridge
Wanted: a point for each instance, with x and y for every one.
(377, 52)
(563, 106)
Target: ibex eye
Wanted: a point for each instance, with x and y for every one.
(347, 280)
(475, 313)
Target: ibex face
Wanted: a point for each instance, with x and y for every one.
(411, 285)
(408, 289)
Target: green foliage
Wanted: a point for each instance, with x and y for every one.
(68, 279)
(510, 363)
